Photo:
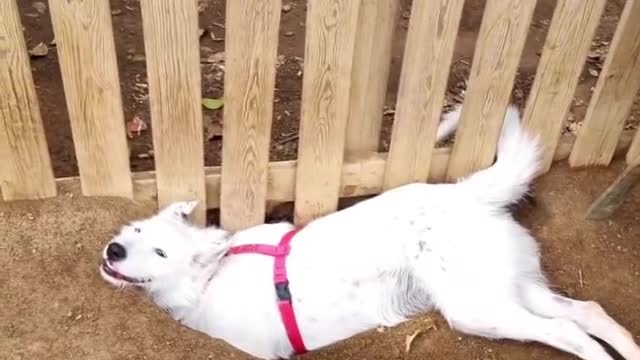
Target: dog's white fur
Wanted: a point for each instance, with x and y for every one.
(420, 247)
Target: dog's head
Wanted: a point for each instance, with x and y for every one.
(162, 249)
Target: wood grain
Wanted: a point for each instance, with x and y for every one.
(502, 35)
(613, 95)
(358, 178)
(329, 51)
(433, 29)
(251, 52)
(371, 64)
(87, 55)
(25, 166)
(634, 149)
(173, 67)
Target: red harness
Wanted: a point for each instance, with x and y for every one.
(281, 282)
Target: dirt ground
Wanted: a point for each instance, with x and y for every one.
(131, 60)
(56, 306)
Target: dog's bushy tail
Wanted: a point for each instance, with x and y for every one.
(449, 123)
(508, 180)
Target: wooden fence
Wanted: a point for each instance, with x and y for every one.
(346, 63)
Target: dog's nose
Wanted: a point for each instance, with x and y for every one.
(116, 252)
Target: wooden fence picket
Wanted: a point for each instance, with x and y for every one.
(86, 49)
(330, 45)
(433, 30)
(251, 55)
(25, 165)
(613, 95)
(501, 39)
(172, 49)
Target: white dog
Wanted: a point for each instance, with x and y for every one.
(420, 247)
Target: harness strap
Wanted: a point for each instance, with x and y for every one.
(281, 282)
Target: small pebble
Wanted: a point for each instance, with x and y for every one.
(286, 8)
(289, 33)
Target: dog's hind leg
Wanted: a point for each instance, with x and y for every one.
(509, 320)
(588, 315)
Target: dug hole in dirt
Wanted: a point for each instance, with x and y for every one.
(54, 305)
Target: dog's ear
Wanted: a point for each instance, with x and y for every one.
(216, 245)
(178, 210)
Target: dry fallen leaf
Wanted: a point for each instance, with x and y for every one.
(574, 127)
(136, 125)
(593, 55)
(39, 50)
(212, 104)
(409, 340)
(215, 58)
(214, 130)
(205, 50)
(388, 111)
(202, 6)
(40, 7)
(137, 58)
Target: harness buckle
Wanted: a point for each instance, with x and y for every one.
(282, 291)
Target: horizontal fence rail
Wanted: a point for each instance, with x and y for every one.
(347, 62)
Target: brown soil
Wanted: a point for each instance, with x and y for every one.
(130, 46)
(56, 306)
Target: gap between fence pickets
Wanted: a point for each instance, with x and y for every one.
(363, 176)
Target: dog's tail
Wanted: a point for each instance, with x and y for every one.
(508, 180)
(449, 123)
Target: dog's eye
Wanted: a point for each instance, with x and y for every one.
(160, 253)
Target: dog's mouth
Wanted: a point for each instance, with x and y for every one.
(109, 271)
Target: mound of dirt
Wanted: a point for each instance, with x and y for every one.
(56, 306)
